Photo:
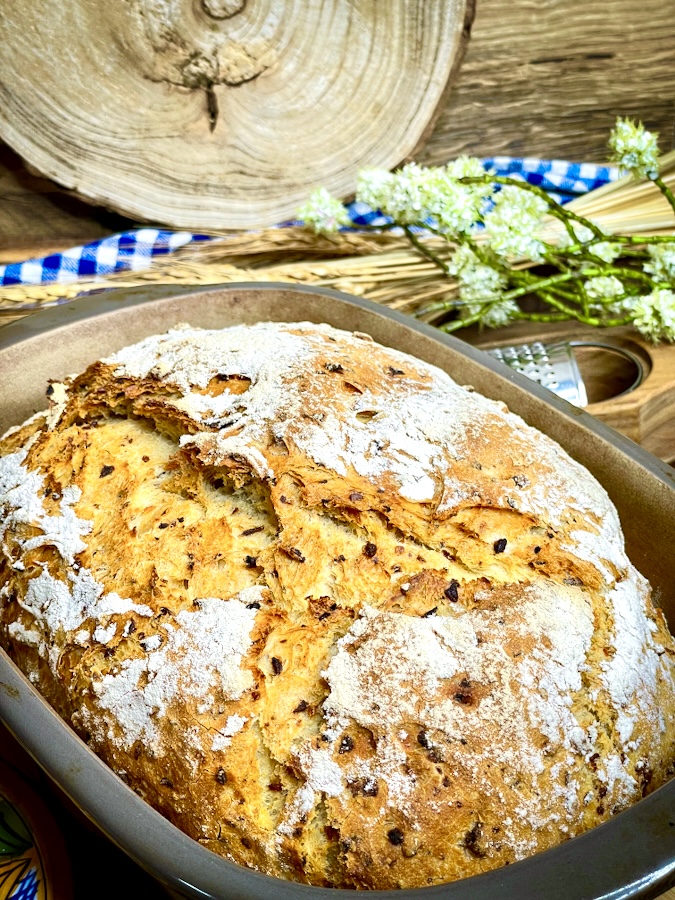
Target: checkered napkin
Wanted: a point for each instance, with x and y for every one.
(134, 250)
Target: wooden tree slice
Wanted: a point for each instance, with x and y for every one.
(222, 113)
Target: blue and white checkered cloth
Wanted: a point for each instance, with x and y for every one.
(132, 251)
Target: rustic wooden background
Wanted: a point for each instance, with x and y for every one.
(549, 77)
(541, 78)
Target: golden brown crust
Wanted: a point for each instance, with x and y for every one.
(336, 617)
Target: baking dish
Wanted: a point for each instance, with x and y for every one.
(631, 856)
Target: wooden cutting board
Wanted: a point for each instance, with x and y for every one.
(206, 114)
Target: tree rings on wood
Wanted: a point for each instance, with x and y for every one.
(222, 113)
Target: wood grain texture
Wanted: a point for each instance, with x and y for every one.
(541, 78)
(216, 114)
(548, 78)
(37, 217)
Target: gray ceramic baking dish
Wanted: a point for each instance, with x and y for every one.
(631, 856)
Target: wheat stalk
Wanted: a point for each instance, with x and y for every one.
(629, 206)
(379, 266)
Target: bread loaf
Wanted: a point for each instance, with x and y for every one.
(338, 618)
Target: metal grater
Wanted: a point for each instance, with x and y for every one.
(555, 367)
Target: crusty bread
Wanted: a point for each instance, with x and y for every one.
(338, 618)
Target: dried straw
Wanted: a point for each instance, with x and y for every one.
(628, 206)
(382, 267)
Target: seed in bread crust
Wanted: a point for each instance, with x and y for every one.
(296, 554)
(471, 839)
(346, 744)
(452, 591)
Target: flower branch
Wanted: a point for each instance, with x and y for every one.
(498, 254)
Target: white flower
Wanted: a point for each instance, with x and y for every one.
(606, 250)
(372, 186)
(496, 314)
(466, 167)
(477, 281)
(635, 149)
(454, 206)
(604, 287)
(414, 194)
(480, 290)
(582, 233)
(609, 294)
(662, 263)
(654, 315)
(513, 225)
(323, 212)
(403, 195)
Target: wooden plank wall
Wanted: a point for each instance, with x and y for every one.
(549, 77)
(541, 78)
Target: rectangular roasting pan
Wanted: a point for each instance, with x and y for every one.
(631, 856)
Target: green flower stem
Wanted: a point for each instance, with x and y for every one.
(479, 252)
(554, 259)
(456, 324)
(532, 285)
(580, 253)
(665, 190)
(636, 252)
(439, 306)
(631, 274)
(484, 257)
(537, 285)
(644, 239)
(569, 311)
(541, 317)
(580, 317)
(557, 211)
(426, 251)
(571, 304)
(567, 296)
